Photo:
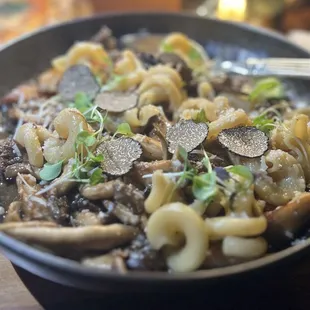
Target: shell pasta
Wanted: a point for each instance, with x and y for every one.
(134, 161)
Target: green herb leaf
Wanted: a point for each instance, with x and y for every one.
(244, 172)
(51, 171)
(96, 177)
(206, 161)
(86, 138)
(183, 154)
(166, 48)
(97, 159)
(263, 123)
(194, 54)
(205, 187)
(265, 89)
(124, 129)
(82, 102)
(201, 117)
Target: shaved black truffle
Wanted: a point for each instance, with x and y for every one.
(77, 79)
(116, 102)
(119, 155)
(244, 141)
(187, 134)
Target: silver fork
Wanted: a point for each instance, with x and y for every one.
(282, 67)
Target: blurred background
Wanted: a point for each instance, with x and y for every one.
(291, 17)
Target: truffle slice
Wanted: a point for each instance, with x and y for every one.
(244, 141)
(119, 155)
(116, 102)
(187, 134)
(78, 78)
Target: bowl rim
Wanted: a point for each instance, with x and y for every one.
(22, 249)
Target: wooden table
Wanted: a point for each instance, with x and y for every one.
(290, 293)
(13, 293)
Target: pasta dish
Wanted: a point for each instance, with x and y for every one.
(127, 158)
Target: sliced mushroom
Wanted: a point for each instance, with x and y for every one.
(48, 81)
(12, 170)
(286, 222)
(80, 238)
(130, 196)
(108, 261)
(59, 208)
(62, 184)
(144, 168)
(177, 63)
(99, 191)
(8, 193)
(5, 227)
(34, 206)
(85, 218)
(151, 148)
(14, 212)
(143, 257)
(105, 37)
(122, 213)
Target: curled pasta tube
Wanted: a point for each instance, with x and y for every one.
(220, 227)
(283, 179)
(205, 90)
(161, 83)
(186, 49)
(244, 247)
(86, 53)
(162, 187)
(168, 225)
(130, 72)
(230, 119)
(243, 202)
(293, 137)
(139, 117)
(67, 124)
(192, 106)
(31, 136)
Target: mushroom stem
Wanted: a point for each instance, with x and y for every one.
(81, 238)
(285, 222)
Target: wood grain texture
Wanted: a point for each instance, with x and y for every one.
(13, 293)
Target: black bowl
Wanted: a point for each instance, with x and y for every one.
(28, 56)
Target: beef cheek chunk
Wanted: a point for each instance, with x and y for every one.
(142, 257)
